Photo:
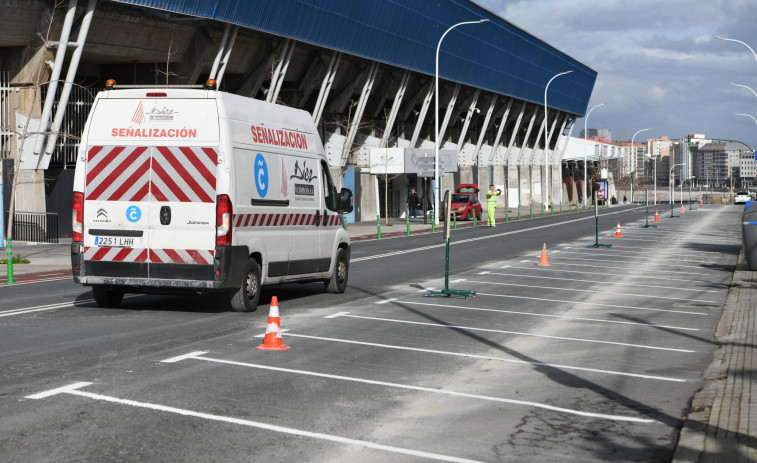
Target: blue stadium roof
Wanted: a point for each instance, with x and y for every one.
(495, 56)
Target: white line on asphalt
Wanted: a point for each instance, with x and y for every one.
(190, 355)
(531, 314)
(601, 259)
(486, 357)
(624, 275)
(255, 424)
(667, 258)
(334, 315)
(387, 300)
(518, 333)
(665, 272)
(59, 390)
(428, 389)
(590, 291)
(615, 306)
(596, 281)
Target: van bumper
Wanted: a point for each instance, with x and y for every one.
(224, 275)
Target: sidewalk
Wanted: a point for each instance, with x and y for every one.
(721, 426)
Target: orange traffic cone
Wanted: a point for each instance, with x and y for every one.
(656, 216)
(544, 261)
(701, 202)
(682, 209)
(273, 339)
(617, 232)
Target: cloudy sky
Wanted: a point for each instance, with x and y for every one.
(657, 63)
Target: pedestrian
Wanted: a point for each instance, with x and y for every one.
(412, 203)
(491, 204)
(625, 200)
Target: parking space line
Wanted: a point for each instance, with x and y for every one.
(596, 281)
(591, 291)
(517, 333)
(427, 389)
(667, 258)
(625, 275)
(531, 314)
(646, 264)
(600, 304)
(254, 424)
(487, 357)
(665, 272)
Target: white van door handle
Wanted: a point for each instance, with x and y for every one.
(317, 218)
(325, 215)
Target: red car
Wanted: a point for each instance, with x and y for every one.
(465, 203)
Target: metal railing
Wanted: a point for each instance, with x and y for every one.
(39, 227)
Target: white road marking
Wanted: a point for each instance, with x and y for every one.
(625, 275)
(428, 389)
(602, 259)
(617, 306)
(531, 314)
(486, 357)
(387, 300)
(669, 260)
(517, 333)
(598, 281)
(56, 391)
(665, 273)
(526, 260)
(338, 314)
(255, 424)
(591, 291)
(185, 356)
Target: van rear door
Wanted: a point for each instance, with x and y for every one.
(150, 190)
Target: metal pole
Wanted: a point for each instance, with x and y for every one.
(436, 116)
(546, 139)
(586, 120)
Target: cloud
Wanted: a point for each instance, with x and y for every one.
(657, 62)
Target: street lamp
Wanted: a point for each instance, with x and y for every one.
(737, 41)
(586, 120)
(670, 179)
(546, 141)
(436, 116)
(747, 115)
(634, 157)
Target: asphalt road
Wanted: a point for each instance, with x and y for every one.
(593, 358)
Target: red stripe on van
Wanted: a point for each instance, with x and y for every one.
(180, 168)
(156, 193)
(130, 182)
(196, 256)
(170, 184)
(191, 156)
(255, 218)
(103, 163)
(93, 152)
(100, 253)
(112, 177)
(142, 257)
(270, 217)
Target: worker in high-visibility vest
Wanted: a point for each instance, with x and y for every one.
(491, 204)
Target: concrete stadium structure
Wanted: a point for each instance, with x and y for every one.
(364, 70)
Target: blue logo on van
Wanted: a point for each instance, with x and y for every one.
(261, 175)
(133, 214)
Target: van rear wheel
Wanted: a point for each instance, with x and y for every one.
(338, 281)
(246, 298)
(107, 297)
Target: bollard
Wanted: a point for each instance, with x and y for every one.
(407, 223)
(552, 209)
(454, 219)
(541, 205)
(9, 262)
(378, 227)
(506, 218)
(560, 207)
(433, 222)
(530, 210)
(474, 219)
(518, 212)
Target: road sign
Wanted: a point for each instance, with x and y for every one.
(755, 155)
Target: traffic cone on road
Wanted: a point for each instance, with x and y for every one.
(682, 209)
(656, 216)
(544, 261)
(618, 234)
(273, 339)
(701, 202)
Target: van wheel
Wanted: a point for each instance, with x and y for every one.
(246, 298)
(107, 297)
(338, 281)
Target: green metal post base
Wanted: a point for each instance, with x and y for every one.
(446, 292)
(597, 244)
(671, 213)
(9, 262)
(647, 219)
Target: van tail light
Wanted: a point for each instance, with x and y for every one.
(224, 214)
(77, 217)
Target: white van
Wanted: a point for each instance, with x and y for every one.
(192, 189)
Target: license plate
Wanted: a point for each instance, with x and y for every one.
(117, 241)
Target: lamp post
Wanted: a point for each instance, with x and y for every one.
(738, 41)
(671, 180)
(684, 181)
(655, 178)
(586, 120)
(633, 153)
(436, 115)
(546, 140)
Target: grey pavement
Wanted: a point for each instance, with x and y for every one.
(720, 426)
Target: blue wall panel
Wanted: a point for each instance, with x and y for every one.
(495, 56)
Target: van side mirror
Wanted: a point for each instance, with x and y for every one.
(345, 201)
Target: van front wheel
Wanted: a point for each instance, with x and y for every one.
(246, 298)
(107, 297)
(338, 281)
